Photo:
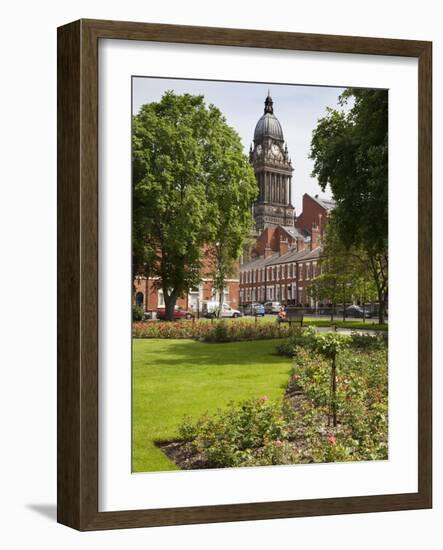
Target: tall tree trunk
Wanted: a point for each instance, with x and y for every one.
(220, 302)
(378, 267)
(382, 305)
(333, 301)
(170, 300)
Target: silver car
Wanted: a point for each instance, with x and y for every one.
(272, 307)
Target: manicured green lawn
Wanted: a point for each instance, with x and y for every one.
(173, 378)
(369, 324)
(356, 324)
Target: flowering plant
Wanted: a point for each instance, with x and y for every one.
(296, 430)
(205, 330)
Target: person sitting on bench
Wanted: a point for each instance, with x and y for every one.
(281, 316)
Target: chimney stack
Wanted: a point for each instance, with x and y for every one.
(283, 246)
(315, 236)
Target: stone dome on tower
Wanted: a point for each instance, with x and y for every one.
(268, 125)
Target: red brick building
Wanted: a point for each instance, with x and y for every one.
(148, 295)
(151, 298)
(286, 258)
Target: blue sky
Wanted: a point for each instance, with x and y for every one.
(298, 109)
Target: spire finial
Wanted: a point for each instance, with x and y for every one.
(269, 104)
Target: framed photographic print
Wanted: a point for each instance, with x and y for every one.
(244, 281)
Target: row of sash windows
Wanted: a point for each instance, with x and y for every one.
(275, 273)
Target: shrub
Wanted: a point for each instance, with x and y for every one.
(362, 404)
(369, 341)
(299, 337)
(137, 313)
(255, 432)
(220, 332)
(217, 331)
(327, 342)
(286, 349)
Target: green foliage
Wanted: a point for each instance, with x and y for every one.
(244, 435)
(345, 271)
(350, 153)
(137, 313)
(231, 189)
(219, 331)
(299, 337)
(285, 349)
(326, 286)
(329, 344)
(262, 432)
(368, 341)
(192, 185)
(362, 402)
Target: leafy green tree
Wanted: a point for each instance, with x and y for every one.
(231, 191)
(350, 152)
(345, 272)
(326, 287)
(183, 153)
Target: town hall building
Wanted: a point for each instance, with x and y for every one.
(287, 249)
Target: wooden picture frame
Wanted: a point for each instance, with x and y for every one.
(77, 480)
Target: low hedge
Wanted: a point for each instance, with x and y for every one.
(217, 331)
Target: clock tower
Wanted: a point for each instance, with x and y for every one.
(273, 170)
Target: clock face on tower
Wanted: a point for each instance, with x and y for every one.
(275, 149)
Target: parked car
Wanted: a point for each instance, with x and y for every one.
(210, 309)
(356, 311)
(272, 307)
(256, 310)
(179, 313)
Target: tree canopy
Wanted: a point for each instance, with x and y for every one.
(192, 190)
(345, 272)
(350, 152)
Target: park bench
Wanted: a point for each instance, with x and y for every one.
(294, 314)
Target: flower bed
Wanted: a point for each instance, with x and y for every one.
(217, 331)
(298, 429)
(362, 404)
